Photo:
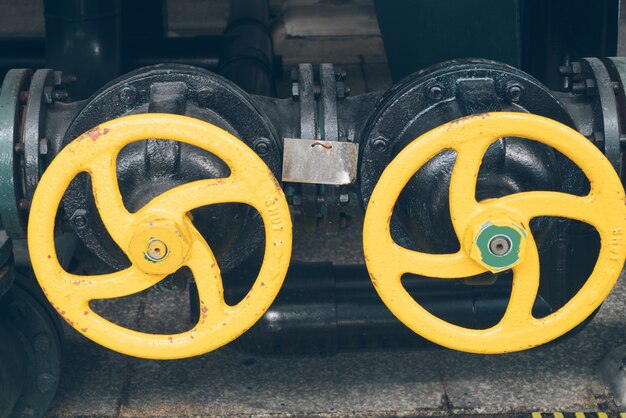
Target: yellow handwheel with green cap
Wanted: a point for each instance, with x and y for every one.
(159, 238)
(495, 234)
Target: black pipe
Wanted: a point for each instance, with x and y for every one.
(324, 309)
(200, 51)
(248, 55)
(83, 39)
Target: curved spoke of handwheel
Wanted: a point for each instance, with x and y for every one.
(109, 286)
(540, 203)
(108, 198)
(463, 186)
(187, 197)
(525, 287)
(208, 280)
(441, 266)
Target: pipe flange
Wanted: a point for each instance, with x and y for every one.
(596, 82)
(33, 140)
(39, 342)
(617, 70)
(13, 205)
(6, 272)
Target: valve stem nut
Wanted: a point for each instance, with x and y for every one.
(498, 244)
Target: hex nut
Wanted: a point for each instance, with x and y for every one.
(436, 92)
(262, 146)
(79, 218)
(514, 92)
(379, 144)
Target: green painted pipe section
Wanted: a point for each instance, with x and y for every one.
(12, 219)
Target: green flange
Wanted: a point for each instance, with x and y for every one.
(499, 245)
(13, 219)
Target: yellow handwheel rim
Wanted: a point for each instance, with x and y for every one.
(159, 238)
(603, 208)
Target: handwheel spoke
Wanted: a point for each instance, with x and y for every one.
(535, 204)
(185, 198)
(441, 266)
(109, 286)
(208, 279)
(463, 185)
(108, 198)
(525, 287)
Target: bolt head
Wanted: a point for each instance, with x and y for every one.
(19, 148)
(566, 70)
(79, 219)
(340, 75)
(60, 95)
(262, 146)
(43, 146)
(379, 144)
(436, 92)
(514, 92)
(497, 244)
(128, 95)
(48, 94)
(591, 89)
(23, 204)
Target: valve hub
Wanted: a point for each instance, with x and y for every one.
(159, 246)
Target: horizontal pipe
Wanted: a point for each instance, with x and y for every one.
(324, 309)
(202, 51)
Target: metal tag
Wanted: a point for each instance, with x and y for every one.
(320, 162)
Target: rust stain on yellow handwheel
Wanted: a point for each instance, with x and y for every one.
(508, 219)
(159, 238)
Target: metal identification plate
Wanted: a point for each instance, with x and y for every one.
(320, 162)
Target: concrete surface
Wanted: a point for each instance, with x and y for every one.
(562, 376)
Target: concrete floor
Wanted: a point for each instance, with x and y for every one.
(561, 376)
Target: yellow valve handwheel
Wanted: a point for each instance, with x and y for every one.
(159, 238)
(473, 221)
